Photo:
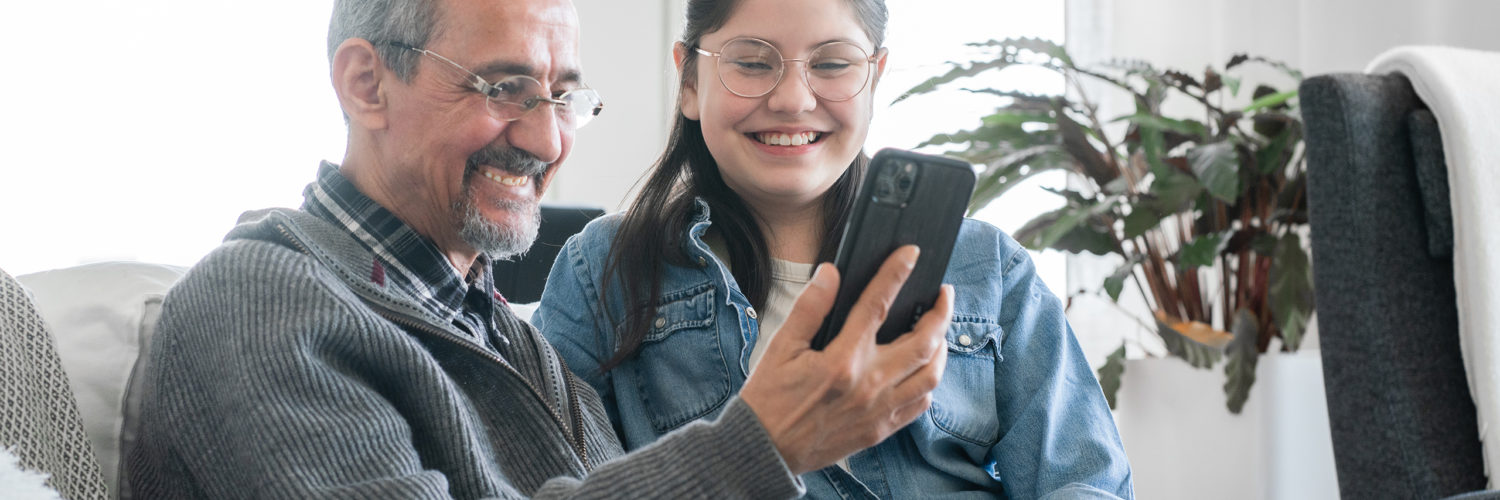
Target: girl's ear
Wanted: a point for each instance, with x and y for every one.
(880, 57)
(688, 98)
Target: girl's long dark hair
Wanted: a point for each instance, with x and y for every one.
(651, 234)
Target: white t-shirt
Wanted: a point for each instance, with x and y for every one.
(787, 281)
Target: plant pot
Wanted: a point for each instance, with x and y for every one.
(1184, 444)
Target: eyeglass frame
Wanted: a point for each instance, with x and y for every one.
(485, 88)
(782, 74)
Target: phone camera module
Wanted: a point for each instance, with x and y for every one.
(894, 186)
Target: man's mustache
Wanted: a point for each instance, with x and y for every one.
(512, 160)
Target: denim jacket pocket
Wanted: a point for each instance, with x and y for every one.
(963, 405)
(681, 370)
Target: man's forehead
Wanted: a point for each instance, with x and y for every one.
(533, 37)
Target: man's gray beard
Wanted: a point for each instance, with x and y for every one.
(484, 235)
(497, 240)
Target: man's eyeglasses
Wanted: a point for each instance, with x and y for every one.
(751, 67)
(515, 95)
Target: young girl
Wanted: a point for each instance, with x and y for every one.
(666, 309)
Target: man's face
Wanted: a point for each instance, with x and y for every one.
(459, 175)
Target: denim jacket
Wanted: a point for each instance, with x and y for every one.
(1018, 412)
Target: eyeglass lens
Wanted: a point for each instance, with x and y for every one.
(835, 71)
(512, 97)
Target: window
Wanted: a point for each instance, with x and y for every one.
(141, 130)
(923, 37)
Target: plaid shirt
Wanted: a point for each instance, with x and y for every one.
(407, 259)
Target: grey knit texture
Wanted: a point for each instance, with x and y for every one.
(39, 419)
(1401, 416)
(282, 370)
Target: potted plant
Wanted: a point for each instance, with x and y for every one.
(1205, 212)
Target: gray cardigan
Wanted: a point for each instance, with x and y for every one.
(284, 368)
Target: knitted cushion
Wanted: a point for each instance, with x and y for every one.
(39, 418)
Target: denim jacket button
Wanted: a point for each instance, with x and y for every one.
(751, 312)
(661, 322)
(965, 340)
(702, 262)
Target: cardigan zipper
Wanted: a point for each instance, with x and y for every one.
(576, 439)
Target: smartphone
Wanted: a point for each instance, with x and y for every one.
(906, 198)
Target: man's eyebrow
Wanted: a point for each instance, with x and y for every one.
(515, 68)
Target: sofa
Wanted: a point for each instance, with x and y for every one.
(99, 319)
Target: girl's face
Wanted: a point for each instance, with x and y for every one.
(749, 136)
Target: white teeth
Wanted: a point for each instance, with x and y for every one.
(780, 139)
(508, 179)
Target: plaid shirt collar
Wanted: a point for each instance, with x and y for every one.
(403, 257)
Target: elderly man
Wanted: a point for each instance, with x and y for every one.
(356, 347)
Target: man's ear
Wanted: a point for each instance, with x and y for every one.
(688, 98)
(358, 79)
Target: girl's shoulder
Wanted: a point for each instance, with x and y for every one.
(979, 239)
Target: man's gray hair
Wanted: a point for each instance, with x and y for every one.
(411, 22)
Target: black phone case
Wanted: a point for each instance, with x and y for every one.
(929, 217)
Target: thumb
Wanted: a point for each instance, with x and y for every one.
(807, 313)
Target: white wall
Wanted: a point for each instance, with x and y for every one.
(140, 130)
(626, 56)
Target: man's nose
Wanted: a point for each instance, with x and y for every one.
(538, 132)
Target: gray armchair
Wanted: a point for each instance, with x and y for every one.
(521, 280)
(1403, 422)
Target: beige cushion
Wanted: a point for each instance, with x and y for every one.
(102, 316)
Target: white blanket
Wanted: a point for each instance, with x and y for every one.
(1462, 87)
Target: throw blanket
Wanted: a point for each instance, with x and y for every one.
(39, 420)
(1462, 88)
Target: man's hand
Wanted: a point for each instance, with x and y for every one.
(820, 407)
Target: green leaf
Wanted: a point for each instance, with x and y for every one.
(1006, 117)
(1161, 123)
(1291, 293)
(1274, 155)
(1202, 251)
(1173, 190)
(1140, 220)
(1270, 101)
(1011, 170)
(1217, 166)
(1076, 143)
(1233, 84)
(1264, 244)
(1115, 283)
(1030, 234)
(958, 71)
(1086, 238)
(1197, 354)
(1243, 353)
(1111, 373)
(1068, 229)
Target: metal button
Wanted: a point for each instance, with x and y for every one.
(965, 340)
(751, 312)
(702, 262)
(661, 322)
